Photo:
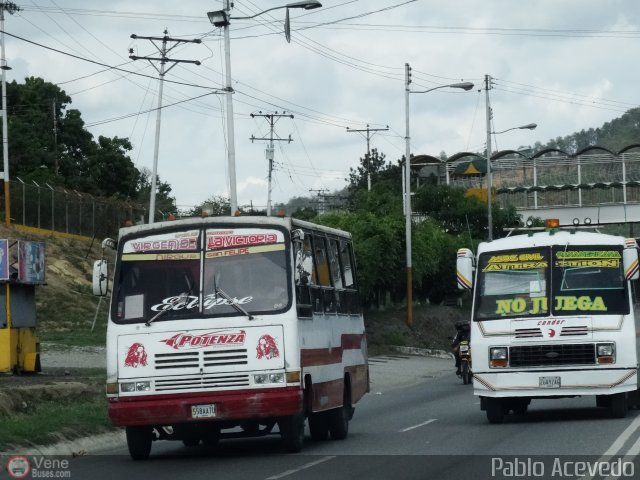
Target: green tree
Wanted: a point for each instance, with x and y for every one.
(30, 108)
(165, 203)
(217, 204)
(67, 155)
(372, 165)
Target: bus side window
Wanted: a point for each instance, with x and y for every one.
(325, 289)
(337, 276)
(305, 275)
(352, 297)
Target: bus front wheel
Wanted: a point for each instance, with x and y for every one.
(292, 432)
(495, 410)
(139, 442)
(618, 405)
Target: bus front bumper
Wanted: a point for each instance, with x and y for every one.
(229, 406)
(505, 383)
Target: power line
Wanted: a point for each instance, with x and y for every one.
(78, 57)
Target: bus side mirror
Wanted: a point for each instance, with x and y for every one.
(100, 278)
(464, 269)
(630, 262)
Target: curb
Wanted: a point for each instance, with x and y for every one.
(77, 447)
(422, 352)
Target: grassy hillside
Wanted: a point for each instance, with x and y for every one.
(65, 304)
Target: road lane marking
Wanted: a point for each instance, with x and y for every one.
(418, 426)
(303, 467)
(624, 436)
(617, 445)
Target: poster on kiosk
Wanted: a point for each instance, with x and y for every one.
(4, 260)
(31, 266)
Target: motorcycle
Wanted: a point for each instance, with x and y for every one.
(464, 350)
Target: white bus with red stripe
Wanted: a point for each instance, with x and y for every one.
(226, 327)
(553, 317)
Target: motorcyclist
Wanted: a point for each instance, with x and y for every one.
(462, 333)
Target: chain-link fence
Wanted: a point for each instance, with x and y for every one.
(69, 211)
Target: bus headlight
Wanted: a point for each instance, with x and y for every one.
(130, 387)
(260, 378)
(605, 353)
(276, 378)
(143, 386)
(498, 357)
(267, 378)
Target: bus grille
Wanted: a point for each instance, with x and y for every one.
(209, 358)
(551, 355)
(204, 382)
(528, 332)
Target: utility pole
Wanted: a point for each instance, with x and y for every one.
(11, 8)
(163, 50)
(320, 193)
(273, 118)
(487, 87)
(55, 135)
(368, 137)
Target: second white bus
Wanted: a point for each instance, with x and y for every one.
(553, 316)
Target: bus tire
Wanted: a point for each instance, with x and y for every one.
(318, 426)
(520, 406)
(603, 401)
(292, 432)
(191, 441)
(618, 407)
(211, 436)
(139, 442)
(339, 422)
(495, 410)
(466, 373)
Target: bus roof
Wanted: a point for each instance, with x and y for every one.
(548, 238)
(198, 222)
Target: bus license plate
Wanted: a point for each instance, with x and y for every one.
(549, 382)
(203, 411)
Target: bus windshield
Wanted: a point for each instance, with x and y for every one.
(180, 275)
(561, 280)
(513, 283)
(254, 277)
(588, 279)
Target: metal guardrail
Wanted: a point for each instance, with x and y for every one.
(69, 211)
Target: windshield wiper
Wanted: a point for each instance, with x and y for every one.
(224, 295)
(184, 297)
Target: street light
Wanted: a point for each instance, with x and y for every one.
(528, 126)
(407, 181)
(221, 18)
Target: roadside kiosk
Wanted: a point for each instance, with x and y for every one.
(22, 267)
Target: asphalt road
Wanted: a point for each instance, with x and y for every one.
(419, 421)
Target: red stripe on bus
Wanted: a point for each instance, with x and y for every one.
(313, 357)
